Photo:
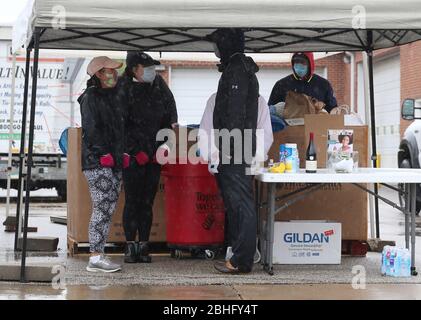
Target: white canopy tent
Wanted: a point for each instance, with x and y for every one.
(271, 26)
(179, 25)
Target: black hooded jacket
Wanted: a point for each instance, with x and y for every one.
(236, 104)
(102, 127)
(147, 108)
(313, 85)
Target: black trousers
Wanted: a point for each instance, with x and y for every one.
(237, 192)
(140, 187)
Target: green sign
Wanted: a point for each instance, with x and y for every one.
(6, 136)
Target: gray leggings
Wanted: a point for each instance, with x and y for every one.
(104, 186)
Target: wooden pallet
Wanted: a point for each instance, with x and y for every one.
(355, 248)
(74, 247)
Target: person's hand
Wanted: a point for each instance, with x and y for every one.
(174, 125)
(161, 154)
(126, 160)
(107, 161)
(212, 168)
(142, 158)
(213, 163)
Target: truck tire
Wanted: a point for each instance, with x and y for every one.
(62, 191)
(406, 163)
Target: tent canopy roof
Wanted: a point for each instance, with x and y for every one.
(180, 25)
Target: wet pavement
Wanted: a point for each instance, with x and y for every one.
(196, 279)
(15, 291)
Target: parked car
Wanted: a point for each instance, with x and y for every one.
(410, 147)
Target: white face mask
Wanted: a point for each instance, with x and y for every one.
(149, 74)
(216, 50)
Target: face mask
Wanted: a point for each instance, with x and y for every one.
(301, 70)
(111, 80)
(216, 50)
(149, 74)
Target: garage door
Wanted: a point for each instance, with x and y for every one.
(192, 88)
(387, 102)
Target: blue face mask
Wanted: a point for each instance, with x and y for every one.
(149, 74)
(300, 70)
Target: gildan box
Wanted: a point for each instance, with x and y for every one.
(79, 201)
(343, 203)
(307, 242)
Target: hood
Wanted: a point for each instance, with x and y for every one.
(229, 42)
(310, 58)
(249, 64)
(80, 99)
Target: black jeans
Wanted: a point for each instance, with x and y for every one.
(140, 187)
(237, 192)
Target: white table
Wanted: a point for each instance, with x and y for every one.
(409, 177)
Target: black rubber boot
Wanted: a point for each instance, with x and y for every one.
(143, 253)
(130, 255)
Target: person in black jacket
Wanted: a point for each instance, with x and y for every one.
(304, 80)
(102, 154)
(236, 108)
(149, 107)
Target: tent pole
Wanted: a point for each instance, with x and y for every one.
(11, 122)
(367, 121)
(373, 125)
(30, 149)
(18, 225)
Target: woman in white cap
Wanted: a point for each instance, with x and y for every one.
(102, 154)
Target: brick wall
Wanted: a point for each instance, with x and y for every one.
(410, 75)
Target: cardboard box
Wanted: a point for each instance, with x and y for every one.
(79, 201)
(343, 203)
(307, 242)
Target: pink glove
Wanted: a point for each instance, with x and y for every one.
(126, 160)
(141, 158)
(107, 161)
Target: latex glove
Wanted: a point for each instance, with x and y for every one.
(107, 161)
(255, 166)
(126, 160)
(213, 163)
(213, 168)
(160, 154)
(141, 158)
(278, 109)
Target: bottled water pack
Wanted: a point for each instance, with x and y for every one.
(396, 262)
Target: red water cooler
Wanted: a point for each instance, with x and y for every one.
(194, 210)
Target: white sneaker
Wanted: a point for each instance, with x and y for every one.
(103, 265)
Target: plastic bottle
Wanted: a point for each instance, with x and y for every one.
(292, 160)
(282, 153)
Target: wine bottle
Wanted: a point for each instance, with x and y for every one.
(311, 156)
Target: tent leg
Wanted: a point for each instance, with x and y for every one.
(373, 130)
(30, 149)
(11, 132)
(22, 148)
